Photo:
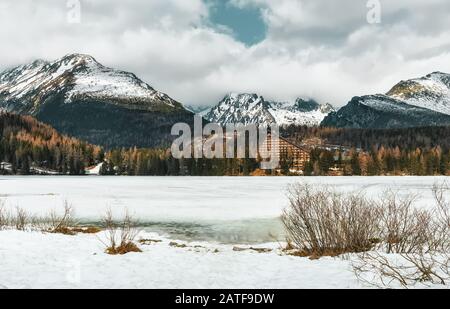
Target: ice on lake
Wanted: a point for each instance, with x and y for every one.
(221, 209)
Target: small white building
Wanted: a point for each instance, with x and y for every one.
(94, 170)
(5, 166)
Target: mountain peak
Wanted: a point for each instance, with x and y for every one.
(83, 98)
(251, 108)
(241, 97)
(431, 91)
(438, 73)
(246, 108)
(306, 105)
(78, 57)
(74, 77)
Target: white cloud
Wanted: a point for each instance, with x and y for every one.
(318, 48)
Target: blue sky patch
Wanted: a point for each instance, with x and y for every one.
(246, 24)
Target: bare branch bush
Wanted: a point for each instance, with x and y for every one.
(21, 219)
(17, 219)
(5, 216)
(419, 240)
(111, 230)
(62, 224)
(120, 236)
(441, 214)
(405, 270)
(54, 222)
(406, 229)
(397, 243)
(323, 222)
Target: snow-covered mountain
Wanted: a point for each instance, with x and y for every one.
(79, 96)
(417, 102)
(254, 109)
(431, 92)
(77, 76)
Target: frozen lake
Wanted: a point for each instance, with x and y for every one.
(221, 209)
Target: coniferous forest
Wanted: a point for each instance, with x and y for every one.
(28, 147)
(27, 144)
(367, 152)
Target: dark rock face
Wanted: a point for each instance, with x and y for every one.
(110, 125)
(304, 106)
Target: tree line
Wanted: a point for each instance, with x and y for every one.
(26, 143)
(160, 162)
(379, 161)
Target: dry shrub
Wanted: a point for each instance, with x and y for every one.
(398, 244)
(322, 222)
(405, 229)
(17, 219)
(421, 246)
(442, 217)
(4, 216)
(62, 224)
(406, 270)
(21, 219)
(120, 236)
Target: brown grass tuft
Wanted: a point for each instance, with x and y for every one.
(120, 235)
(123, 249)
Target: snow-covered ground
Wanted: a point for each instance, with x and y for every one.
(195, 210)
(35, 260)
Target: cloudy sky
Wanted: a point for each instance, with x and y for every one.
(198, 50)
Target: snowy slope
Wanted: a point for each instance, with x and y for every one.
(254, 109)
(302, 112)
